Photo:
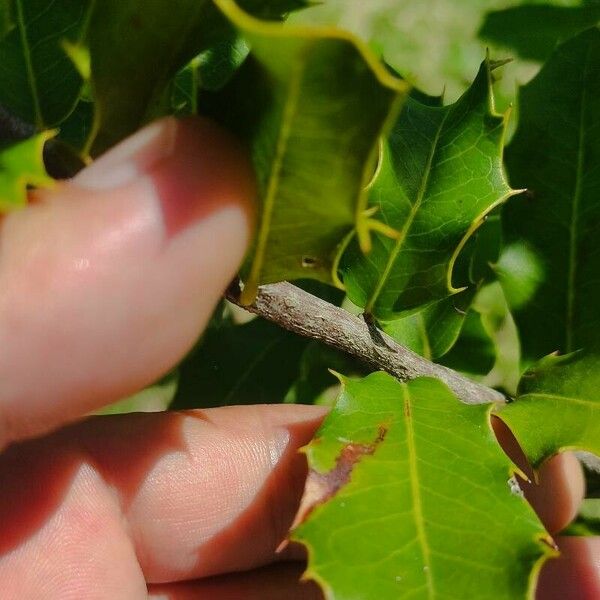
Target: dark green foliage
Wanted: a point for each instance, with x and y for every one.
(555, 155)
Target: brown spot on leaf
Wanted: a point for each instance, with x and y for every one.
(321, 487)
(309, 262)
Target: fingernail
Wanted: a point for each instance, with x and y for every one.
(207, 171)
(131, 158)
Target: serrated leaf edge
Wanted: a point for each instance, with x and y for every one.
(363, 224)
(544, 540)
(25, 179)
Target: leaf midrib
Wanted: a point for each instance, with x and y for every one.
(39, 121)
(583, 401)
(409, 221)
(416, 491)
(285, 129)
(574, 224)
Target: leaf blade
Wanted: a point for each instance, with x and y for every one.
(441, 175)
(38, 81)
(554, 154)
(22, 165)
(312, 154)
(557, 385)
(377, 457)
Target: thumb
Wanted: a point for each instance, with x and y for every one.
(106, 281)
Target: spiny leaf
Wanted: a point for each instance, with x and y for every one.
(488, 346)
(558, 406)
(22, 165)
(433, 43)
(409, 497)
(555, 154)
(311, 103)
(441, 173)
(533, 31)
(38, 81)
(451, 330)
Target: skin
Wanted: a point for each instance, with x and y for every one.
(107, 281)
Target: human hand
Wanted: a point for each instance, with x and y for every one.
(105, 283)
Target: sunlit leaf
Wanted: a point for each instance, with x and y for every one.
(311, 103)
(22, 165)
(409, 495)
(441, 174)
(558, 406)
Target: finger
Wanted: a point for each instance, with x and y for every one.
(268, 583)
(196, 494)
(107, 280)
(557, 491)
(575, 574)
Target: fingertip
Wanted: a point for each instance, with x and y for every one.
(575, 574)
(108, 279)
(212, 172)
(559, 492)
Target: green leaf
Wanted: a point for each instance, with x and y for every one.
(555, 154)
(316, 383)
(38, 81)
(533, 31)
(474, 352)
(433, 43)
(433, 330)
(218, 64)
(488, 346)
(440, 175)
(137, 47)
(253, 363)
(409, 496)
(558, 406)
(453, 331)
(22, 165)
(185, 88)
(521, 272)
(311, 103)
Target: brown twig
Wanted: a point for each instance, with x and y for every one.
(296, 310)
